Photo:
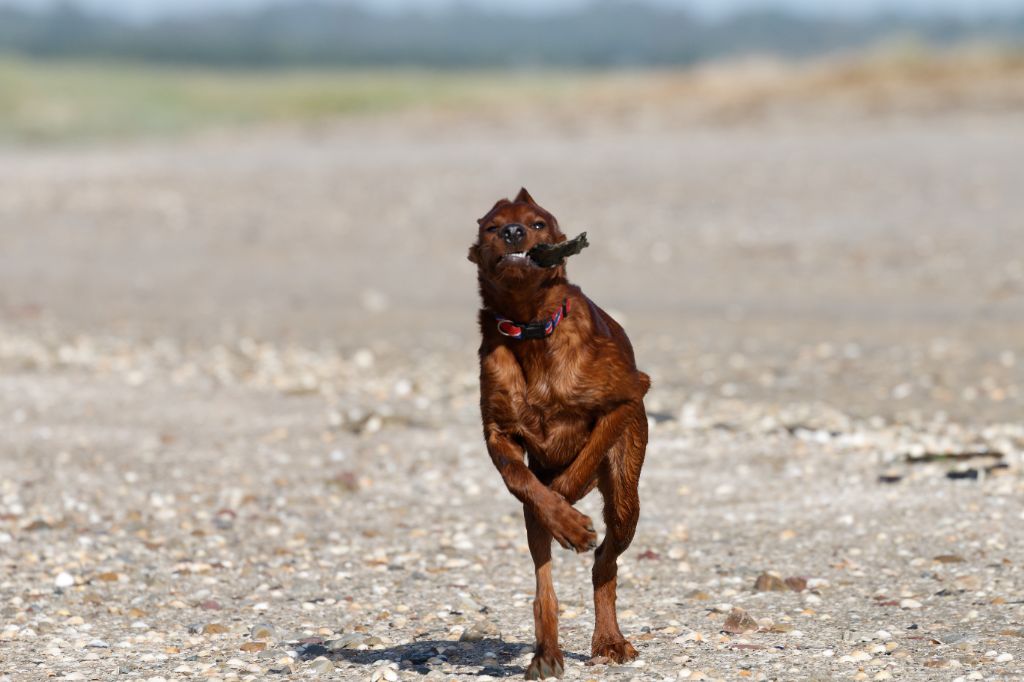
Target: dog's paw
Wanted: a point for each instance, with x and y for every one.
(545, 665)
(570, 528)
(619, 652)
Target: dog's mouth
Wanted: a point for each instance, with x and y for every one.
(517, 259)
(544, 256)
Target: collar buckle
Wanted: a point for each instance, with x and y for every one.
(514, 330)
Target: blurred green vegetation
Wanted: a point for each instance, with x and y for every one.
(43, 101)
(47, 101)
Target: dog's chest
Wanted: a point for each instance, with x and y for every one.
(550, 395)
(553, 409)
(552, 382)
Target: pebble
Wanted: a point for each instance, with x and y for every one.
(856, 657)
(479, 631)
(64, 579)
(910, 604)
(386, 673)
(320, 666)
(349, 640)
(739, 621)
(262, 631)
(767, 582)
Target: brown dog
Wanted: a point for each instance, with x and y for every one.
(559, 384)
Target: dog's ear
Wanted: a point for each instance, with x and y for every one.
(524, 197)
(498, 204)
(474, 254)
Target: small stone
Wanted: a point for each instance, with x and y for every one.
(796, 583)
(64, 579)
(858, 656)
(385, 673)
(767, 582)
(262, 631)
(214, 629)
(347, 641)
(967, 582)
(910, 604)
(739, 622)
(253, 647)
(97, 644)
(940, 663)
(1004, 658)
(479, 631)
(321, 666)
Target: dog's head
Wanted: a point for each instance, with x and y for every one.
(506, 235)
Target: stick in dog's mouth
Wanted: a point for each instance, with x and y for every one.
(551, 255)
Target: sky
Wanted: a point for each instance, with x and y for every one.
(146, 9)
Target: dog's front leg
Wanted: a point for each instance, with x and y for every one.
(579, 476)
(547, 516)
(570, 528)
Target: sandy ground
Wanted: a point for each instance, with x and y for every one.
(238, 401)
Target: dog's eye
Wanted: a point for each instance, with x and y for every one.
(491, 228)
(539, 225)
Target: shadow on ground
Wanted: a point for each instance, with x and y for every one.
(493, 656)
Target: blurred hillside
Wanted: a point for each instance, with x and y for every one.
(601, 34)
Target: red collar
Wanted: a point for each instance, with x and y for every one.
(533, 330)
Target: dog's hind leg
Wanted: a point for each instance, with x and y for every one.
(547, 657)
(618, 479)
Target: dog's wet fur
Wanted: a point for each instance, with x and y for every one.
(561, 415)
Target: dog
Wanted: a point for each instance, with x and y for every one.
(559, 388)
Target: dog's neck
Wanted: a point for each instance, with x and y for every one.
(525, 303)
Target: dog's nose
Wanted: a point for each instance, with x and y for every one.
(513, 233)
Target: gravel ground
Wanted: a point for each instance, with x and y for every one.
(239, 407)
